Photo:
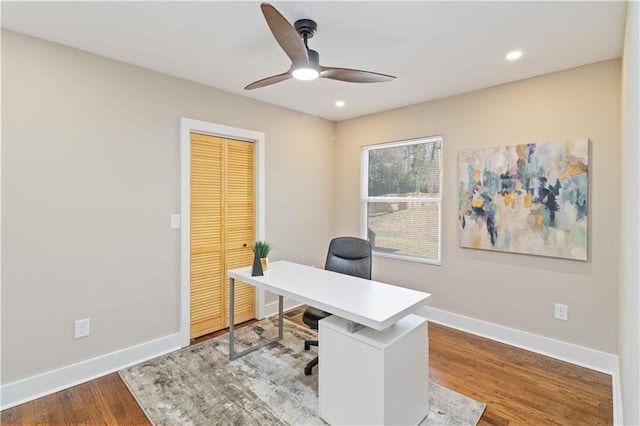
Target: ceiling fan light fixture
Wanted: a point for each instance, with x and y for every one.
(305, 74)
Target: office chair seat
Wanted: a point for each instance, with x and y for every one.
(312, 315)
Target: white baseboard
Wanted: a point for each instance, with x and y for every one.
(25, 390)
(272, 308)
(28, 389)
(617, 397)
(579, 355)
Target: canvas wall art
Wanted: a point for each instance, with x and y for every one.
(530, 198)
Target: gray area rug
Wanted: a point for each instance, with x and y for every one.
(198, 385)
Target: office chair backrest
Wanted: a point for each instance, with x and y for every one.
(351, 256)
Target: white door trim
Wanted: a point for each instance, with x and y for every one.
(187, 126)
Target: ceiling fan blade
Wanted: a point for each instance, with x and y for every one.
(269, 81)
(286, 36)
(354, 76)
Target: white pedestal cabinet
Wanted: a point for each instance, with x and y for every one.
(374, 377)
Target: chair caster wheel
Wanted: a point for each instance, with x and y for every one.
(308, 371)
(306, 348)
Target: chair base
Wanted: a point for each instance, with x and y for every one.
(308, 369)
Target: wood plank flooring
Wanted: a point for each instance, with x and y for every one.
(103, 401)
(519, 387)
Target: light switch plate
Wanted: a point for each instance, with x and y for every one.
(175, 221)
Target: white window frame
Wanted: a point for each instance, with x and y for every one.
(365, 199)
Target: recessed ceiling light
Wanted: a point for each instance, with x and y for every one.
(512, 56)
(340, 104)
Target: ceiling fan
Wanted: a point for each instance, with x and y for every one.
(305, 63)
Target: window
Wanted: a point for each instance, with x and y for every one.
(401, 197)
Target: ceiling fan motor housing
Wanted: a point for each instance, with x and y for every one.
(314, 57)
(305, 27)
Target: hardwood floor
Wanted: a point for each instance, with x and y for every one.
(106, 400)
(519, 387)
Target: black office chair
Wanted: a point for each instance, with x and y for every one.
(347, 255)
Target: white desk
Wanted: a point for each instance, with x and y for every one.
(370, 303)
(360, 302)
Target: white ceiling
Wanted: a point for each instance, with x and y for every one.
(436, 49)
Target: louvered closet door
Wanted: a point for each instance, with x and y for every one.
(239, 219)
(207, 291)
(211, 214)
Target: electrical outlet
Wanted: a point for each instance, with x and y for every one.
(562, 312)
(81, 328)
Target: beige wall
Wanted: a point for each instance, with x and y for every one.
(629, 317)
(90, 175)
(518, 291)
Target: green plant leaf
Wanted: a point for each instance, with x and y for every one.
(262, 248)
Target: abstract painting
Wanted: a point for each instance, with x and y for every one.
(530, 198)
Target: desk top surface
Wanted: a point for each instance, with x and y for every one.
(370, 303)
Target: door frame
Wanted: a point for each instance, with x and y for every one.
(188, 126)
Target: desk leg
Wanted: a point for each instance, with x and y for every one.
(280, 317)
(232, 351)
(232, 297)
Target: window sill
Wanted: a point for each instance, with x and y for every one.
(405, 258)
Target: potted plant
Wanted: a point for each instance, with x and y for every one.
(262, 248)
